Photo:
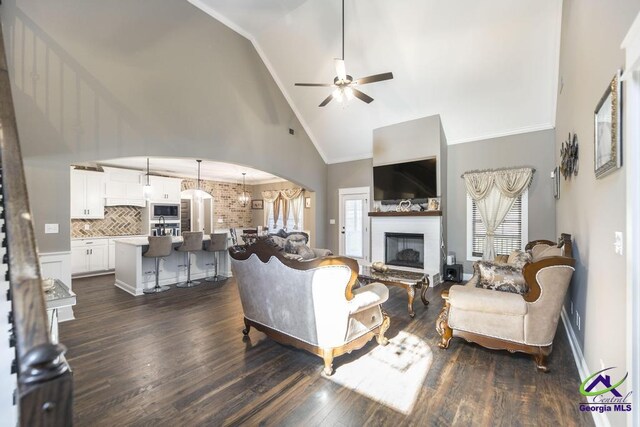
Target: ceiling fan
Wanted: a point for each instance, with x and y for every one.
(344, 83)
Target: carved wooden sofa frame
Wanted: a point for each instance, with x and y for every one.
(264, 249)
(530, 272)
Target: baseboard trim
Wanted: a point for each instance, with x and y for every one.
(600, 419)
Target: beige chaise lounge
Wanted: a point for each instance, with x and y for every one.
(308, 304)
(510, 321)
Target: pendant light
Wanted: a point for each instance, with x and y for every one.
(146, 190)
(244, 197)
(199, 192)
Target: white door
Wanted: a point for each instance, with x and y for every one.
(354, 223)
(79, 260)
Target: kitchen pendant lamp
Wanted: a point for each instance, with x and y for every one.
(146, 190)
(244, 197)
(199, 193)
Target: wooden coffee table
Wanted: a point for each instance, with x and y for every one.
(408, 280)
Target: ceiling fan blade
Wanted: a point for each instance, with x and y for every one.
(315, 84)
(374, 78)
(341, 71)
(326, 101)
(361, 95)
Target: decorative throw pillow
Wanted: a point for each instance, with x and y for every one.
(306, 252)
(519, 258)
(292, 243)
(501, 277)
(279, 241)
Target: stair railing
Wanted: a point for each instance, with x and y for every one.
(45, 385)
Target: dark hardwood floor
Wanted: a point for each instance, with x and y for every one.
(178, 359)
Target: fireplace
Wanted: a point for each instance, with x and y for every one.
(404, 249)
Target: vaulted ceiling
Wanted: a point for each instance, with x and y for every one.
(488, 68)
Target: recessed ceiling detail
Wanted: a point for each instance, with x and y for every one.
(487, 68)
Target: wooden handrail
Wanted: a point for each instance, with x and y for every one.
(44, 378)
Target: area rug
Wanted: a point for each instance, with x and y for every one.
(391, 375)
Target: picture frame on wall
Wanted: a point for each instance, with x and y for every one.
(608, 129)
(257, 204)
(307, 202)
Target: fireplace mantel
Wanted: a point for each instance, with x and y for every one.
(410, 213)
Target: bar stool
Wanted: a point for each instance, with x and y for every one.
(159, 247)
(217, 244)
(191, 242)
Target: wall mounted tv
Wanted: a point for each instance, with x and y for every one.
(411, 180)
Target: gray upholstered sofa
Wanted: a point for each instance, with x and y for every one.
(308, 304)
(499, 319)
(295, 245)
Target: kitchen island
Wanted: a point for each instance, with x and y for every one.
(134, 273)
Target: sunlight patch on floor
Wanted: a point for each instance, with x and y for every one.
(391, 375)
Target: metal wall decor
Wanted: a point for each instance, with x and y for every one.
(569, 156)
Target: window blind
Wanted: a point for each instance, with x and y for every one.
(508, 236)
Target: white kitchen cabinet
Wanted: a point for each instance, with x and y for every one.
(124, 187)
(87, 194)
(165, 189)
(112, 255)
(89, 255)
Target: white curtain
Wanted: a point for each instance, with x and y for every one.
(494, 193)
(288, 196)
(270, 199)
(297, 208)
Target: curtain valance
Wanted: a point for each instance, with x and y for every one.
(510, 182)
(494, 192)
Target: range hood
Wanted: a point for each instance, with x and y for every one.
(124, 187)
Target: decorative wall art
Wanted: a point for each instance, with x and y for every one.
(569, 156)
(608, 129)
(307, 202)
(257, 204)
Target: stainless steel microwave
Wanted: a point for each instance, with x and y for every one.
(168, 211)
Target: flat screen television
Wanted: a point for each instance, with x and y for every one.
(411, 180)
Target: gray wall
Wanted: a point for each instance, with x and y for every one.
(144, 78)
(407, 141)
(534, 149)
(593, 209)
(358, 173)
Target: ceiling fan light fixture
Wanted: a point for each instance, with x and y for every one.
(337, 94)
(348, 93)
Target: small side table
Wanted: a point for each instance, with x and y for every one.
(453, 273)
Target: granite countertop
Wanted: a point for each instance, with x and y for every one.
(59, 296)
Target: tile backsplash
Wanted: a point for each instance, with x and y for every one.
(118, 221)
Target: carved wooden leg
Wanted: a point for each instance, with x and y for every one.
(442, 326)
(382, 340)
(541, 362)
(411, 293)
(425, 287)
(327, 355)
(247, 327)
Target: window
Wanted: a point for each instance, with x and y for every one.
(279, 224)
(511, 235)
